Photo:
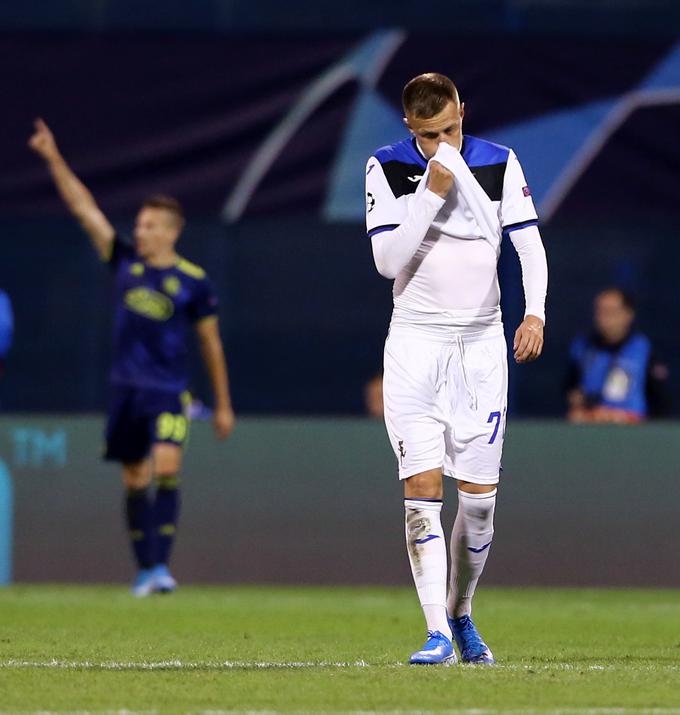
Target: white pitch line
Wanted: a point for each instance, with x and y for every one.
(460, 711)
(179, 665)
(174, 665)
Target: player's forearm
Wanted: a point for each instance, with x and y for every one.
(392, 250)
(216, 366)
(73, 192)
(529, 247)
(82, 205)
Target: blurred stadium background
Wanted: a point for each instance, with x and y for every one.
(259, 117)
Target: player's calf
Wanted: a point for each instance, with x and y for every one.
(427, 555)
(166, 515)
(139, 516)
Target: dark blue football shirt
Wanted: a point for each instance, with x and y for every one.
(155, 310)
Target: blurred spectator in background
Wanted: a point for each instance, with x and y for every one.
(613, 374)
(6, 328)
(373, 395)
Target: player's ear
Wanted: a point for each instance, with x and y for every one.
(462, 109)
(408, 126)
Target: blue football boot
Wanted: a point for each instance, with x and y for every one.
(163, 582)
(438, 649)
(143, 585)
(470, 644)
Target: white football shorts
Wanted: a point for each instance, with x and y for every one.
(445, 404)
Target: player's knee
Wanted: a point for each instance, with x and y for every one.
(167, 460)
(136, 481)
(167, 481)
(426, 485)
(136, 475)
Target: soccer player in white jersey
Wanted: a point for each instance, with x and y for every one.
(437, 207)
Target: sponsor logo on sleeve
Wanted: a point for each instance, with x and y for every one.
(370, 202)
(526, 191)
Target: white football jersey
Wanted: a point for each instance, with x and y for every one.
(452, 277)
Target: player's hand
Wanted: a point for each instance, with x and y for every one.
(528, 342)
(42, 141)
(440, 179)
(224, 421)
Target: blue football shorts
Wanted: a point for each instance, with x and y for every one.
(138, 418)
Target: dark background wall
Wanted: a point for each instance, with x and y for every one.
(501, 15)
(304, 313)
(317, 501)
(183, 100)
(180, 97)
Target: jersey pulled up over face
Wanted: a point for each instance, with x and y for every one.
(155, 309)
(454, 268)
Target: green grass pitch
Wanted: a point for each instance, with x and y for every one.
(68, 649)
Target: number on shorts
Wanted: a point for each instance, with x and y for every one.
(494, 416)
(171, 427)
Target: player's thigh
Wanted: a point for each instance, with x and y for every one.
(475, 440)
(412, 417)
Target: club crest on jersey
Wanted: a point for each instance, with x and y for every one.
(171, 285)
(370, 202)
(526, 191)
(149, 303)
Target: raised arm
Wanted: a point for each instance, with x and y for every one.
(74, 193)
(216, 365)
(396, 233)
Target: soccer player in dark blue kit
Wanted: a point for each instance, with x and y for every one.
(159, 298)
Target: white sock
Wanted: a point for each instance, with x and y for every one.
(470, 542)
(427, 553)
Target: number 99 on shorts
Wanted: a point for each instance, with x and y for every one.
(171, 428)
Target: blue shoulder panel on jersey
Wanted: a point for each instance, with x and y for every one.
(403, 152)
(479, 152)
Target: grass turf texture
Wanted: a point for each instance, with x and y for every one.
(95, 649)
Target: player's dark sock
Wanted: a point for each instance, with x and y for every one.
(166, 514)
(139, 513)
